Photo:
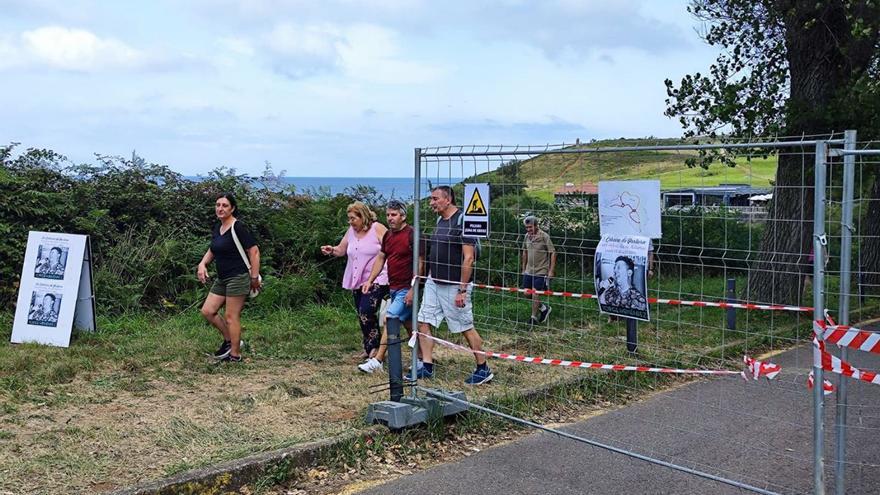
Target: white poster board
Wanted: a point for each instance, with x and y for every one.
(476, 210)
(56, 289)
(630, 207)
(621, 275)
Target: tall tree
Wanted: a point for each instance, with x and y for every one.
(787, 67)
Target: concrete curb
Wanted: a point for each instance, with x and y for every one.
(229, 476)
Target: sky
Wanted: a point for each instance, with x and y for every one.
(334, 87)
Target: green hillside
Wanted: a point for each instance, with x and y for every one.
(544, 174)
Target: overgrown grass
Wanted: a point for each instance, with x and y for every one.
(150, 360)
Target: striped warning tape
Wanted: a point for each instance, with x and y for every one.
(576, 364)
(828, 362)
(673, 302)
(847, 336)
(827, 387)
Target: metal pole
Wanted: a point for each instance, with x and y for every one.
(395, 366)
(819, 242)
(417, 226)
(731, 298)
(846, 231)
(632, 335)
(457, 151)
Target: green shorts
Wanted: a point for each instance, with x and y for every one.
(236, 285)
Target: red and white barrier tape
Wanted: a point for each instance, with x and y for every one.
(757, 369)
(847, 336)
(580, 364)
(673, 302)
(827, 387)
(828, 362)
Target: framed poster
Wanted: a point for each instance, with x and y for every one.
(621, 276)
(56, 291)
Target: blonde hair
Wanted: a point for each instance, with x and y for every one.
(363, 212)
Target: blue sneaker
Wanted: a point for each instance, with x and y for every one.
(422, 373)
(480, 376)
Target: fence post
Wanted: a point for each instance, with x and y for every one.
(632, 335)
(731, 298)
(417, 226)
(846, 232)
(819, 242)
(395, 366)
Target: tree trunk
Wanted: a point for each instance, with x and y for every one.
(817, 70)
(869, 249)
(778, 274)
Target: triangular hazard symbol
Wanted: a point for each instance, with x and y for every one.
(476, 206)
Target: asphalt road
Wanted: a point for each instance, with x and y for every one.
(759, 433)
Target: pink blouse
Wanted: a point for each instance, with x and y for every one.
(361, 255)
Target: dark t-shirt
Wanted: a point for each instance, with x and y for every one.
(226, 255)
(444, 249)
(397, 248)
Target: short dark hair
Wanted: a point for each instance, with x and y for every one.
(52, 296)
(630, 264)
(396, 205)
(56, 248)
(448, 191)
(231, 198)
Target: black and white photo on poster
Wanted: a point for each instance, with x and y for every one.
(44, 308)
(621, 276)
(51, 261)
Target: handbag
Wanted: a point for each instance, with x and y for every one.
(247, 263)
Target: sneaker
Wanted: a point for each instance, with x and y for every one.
(370, 365)
(480, 376)
(231, 359)
(545, 313)
(533, 321)
(419, 365)
(224, 349)
(421, 374)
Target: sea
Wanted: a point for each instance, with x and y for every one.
(389, 187)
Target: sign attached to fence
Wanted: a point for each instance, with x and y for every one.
(630, 207)
(56, 291)
(621, 275)
(476, 210)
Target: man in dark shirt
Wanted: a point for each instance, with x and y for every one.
(448, 288)
(397, 252)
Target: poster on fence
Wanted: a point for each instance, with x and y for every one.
(629, 207)
(621, 275)
(56, 290)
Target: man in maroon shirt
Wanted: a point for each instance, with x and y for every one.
(397, 251)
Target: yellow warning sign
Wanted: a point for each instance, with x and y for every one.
(476, 206)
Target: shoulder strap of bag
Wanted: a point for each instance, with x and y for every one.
(244, 257)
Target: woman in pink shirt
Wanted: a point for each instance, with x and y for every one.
(361, 244)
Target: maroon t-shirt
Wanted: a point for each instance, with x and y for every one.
(397, 248)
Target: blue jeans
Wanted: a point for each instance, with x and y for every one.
(397, 308)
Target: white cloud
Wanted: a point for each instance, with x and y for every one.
(362, 52)
(76, 50)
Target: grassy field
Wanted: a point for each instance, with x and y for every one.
(544, 174)
(140, 399)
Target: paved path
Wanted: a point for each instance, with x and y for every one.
(755, 432)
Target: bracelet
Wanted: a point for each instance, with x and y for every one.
(462, 291)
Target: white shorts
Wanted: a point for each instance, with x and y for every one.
(438, 302)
